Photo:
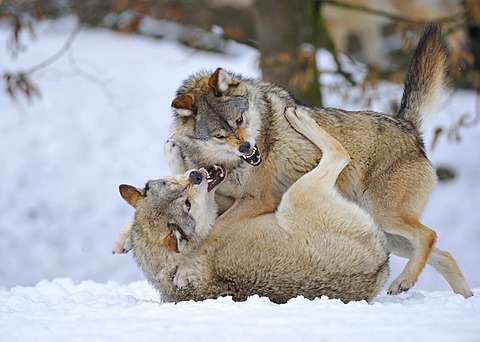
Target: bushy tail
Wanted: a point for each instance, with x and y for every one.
(426, 79)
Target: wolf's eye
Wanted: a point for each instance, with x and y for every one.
(188, 204)
(239, 121)
(219, 136)
(147, 187)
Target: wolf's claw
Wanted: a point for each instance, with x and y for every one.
(123, 244)
(184, 276)
(398, 286)
(173, 155)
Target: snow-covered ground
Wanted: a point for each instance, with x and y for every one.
(102, 119)
(61, 311)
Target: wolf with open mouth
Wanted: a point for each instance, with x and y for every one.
(224, 118)
(330, 247)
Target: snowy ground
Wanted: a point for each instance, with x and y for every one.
(61, 310)
(102, 120)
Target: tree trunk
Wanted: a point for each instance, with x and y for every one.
(474, 35)
(286, 33)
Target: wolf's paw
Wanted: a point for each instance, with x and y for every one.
(123, 244)
(299, 119)
(173, 155)
(399, 285)
(185, 276)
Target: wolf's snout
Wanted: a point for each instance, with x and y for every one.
(195, 177)
(245, 147)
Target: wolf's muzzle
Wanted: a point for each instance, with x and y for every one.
(195, 177)
(245, 147)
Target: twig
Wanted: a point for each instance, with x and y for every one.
(57, 55)
(95, 80)
(67, 48)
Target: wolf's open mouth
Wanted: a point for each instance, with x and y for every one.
(254, 157)
(214, 175)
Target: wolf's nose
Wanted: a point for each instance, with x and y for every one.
(195, 177)
(244, 147)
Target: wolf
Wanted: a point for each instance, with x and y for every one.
(224, 118)
(316, 243)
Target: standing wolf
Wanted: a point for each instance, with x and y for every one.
(223, 118)
(238, 122)
(316, 243)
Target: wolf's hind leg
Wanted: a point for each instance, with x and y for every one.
(334, 156)
(173, 155)
(446, 265)
(439, 259)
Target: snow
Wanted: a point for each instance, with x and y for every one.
(102, 119)
(61, 309)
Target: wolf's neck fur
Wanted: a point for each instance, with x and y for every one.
(284, 147)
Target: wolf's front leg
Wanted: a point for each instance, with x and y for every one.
(186, 274)
(173, 155)
(123, 244)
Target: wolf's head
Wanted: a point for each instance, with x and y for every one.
(217, 119)
(176, 210)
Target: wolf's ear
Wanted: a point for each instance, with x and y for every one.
(171, 242)
(181, 241)
(220, 81)
(183, 105)
(130, 194)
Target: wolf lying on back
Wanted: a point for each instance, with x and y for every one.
(317, 243)
(223, 118)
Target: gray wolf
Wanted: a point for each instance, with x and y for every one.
(224, 118)
(316, 243)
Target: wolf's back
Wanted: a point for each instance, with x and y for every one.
(426, 78)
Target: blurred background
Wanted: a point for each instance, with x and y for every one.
(380, 34)
(86, 93)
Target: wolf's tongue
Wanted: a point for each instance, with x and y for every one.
(216, 174)
(249, 154)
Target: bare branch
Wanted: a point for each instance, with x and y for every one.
(57, 55)
(95, 80)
